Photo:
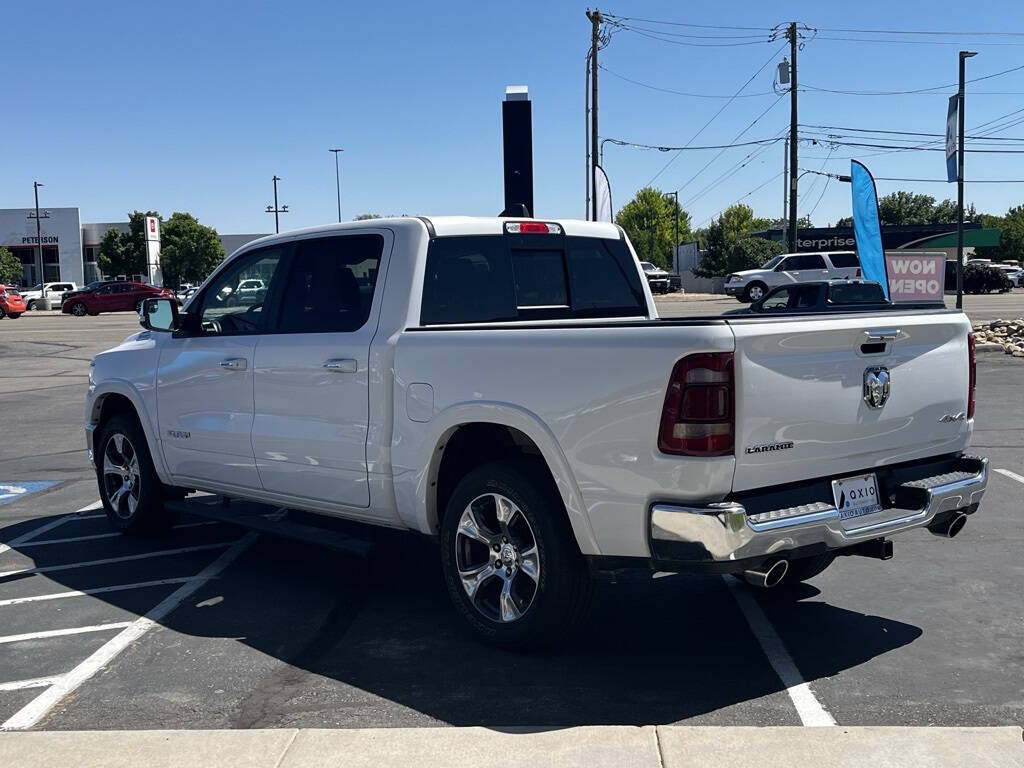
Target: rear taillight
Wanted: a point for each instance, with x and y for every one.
(972, 375)
(698, 417)
(858, 272)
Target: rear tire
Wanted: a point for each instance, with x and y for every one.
(31, 305)
(132, 494)
(14, 315)
(509, 514)
(3, 313)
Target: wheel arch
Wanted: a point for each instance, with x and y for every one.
(471, 435)
(116, 397)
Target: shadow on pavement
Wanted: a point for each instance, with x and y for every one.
(654, 650)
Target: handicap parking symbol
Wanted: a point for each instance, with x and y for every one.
(13, 491)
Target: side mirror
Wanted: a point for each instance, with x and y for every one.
(159, 315)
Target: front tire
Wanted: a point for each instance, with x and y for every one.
(754, 291)
(132, 494)
(3, 313)
(78, 309)
(509, 558)
(31, 305)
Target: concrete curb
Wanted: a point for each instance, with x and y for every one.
(588, 746)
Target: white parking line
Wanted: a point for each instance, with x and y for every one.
(808, 708)
(41, 705)
(121, 559)
(61, 632)
(94, 536)
(48, 526)
(1011, 475)
(21, 685)
(95, 591)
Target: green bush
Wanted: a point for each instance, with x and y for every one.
(981, 278)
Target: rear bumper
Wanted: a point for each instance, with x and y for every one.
(726, 535)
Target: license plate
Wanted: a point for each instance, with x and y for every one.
(856, 496)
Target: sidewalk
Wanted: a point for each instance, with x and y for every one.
(585, 747)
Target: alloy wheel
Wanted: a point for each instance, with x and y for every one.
(497, 558)
(755, 292)
(121, 478)
(79, 310)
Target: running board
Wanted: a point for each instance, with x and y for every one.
(272, 520)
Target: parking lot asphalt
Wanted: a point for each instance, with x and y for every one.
(257, 631)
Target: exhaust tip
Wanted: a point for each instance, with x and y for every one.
(956, 524)
(769, 577)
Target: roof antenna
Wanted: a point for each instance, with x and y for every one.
(516, 211)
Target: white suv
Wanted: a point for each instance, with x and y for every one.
(751, 284)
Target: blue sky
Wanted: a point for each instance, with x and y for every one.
(116, 106)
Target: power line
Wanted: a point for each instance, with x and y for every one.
(683, 24)
(657, 36)
(868, 92)
(927, 181)
(683, 93)
(739, 90)
(639, 145)
(730, 172)
(919, 32)
(911, 42)
(749, 126)
(902, 133)
(739, 199)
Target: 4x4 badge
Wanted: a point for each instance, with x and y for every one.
(876, 386)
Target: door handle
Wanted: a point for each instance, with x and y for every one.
(234, 364)
(883, 334)
(339, 365)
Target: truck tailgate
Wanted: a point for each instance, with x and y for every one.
(800, 406)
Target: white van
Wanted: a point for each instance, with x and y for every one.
(751, 284)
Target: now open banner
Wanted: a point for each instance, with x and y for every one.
(916, 277)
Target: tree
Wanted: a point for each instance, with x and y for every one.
(367, 216)
(910, 208)
(761, 225)
(10, 267)
(189, 250)
(728, 246)
(111, 257)
(1011, 236)
(649, 221)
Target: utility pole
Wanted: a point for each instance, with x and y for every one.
(595, 21)
(785, 190)
(791, 34)
(337, 179)
(964, 55)
(276, 210)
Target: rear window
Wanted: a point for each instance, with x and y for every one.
(844, 260)
(493, 278)
(856, 293)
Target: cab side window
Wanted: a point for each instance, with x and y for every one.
(330, 285)
(228, 307)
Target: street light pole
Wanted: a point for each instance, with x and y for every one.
(43, 302)
(964, 55)
(337, 179)
(276, 210)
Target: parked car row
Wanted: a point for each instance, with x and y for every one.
(11, 303)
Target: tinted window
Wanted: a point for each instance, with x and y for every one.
(856, 293)
(602, 277)
(491, 278)
(539, 278)
(844, 260)
(226, 310)
(810, 261)
(792, 297)
(330, 284)
(779, 299)
(467, 280)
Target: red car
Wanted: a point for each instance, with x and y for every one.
(11, 303)
(113, 297)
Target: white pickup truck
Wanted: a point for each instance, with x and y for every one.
(507, 387)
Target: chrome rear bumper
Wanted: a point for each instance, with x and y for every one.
(725, 532)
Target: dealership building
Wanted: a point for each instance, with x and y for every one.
(70, 248)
